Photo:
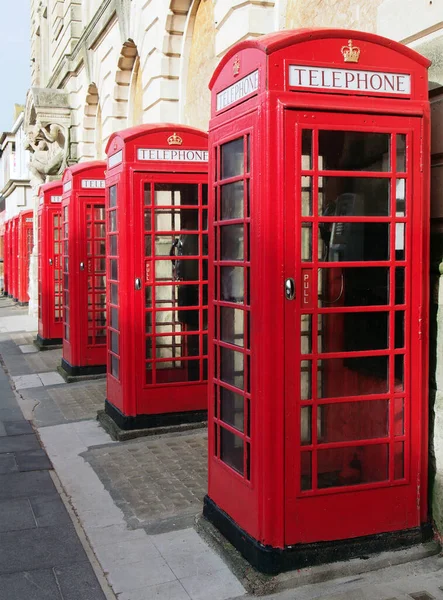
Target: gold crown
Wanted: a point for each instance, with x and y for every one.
(350, 52)
(236, 65)
(175, 140)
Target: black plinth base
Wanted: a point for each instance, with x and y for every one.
(271, 561)
(47, 343)
(148, 421)
(23, 303)
(73, 371)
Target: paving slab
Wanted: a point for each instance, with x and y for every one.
(33, 460)
(28, 349)
(51, 378)
(21, 382)
(78, 582)
(19, 443)
(16, 514)
(29, 483)
(18, 427)
(41, 362)
(30, 585)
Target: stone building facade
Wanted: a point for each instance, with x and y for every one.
(102, 65)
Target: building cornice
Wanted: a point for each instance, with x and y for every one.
(13, 184)
(70, 63)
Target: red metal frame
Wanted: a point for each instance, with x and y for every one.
(6, 259)
(84, 278)
(25, 246)
(155, 374)
(255, 473)
(14, 257)
(50, 312)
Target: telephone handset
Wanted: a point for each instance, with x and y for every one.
(347, 239)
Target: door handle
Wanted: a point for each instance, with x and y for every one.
(82, 266)
(138, 283)
(50, 262)
(290, 289)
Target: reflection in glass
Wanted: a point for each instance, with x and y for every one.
(352, 465)
(232, 161)
(400, 241)
(399, 416)
(355, 376)
(400, 198)
(350, 332)
(306, 242)
(399, 460)
(231, 367)
(353, 286)
(354, 150)
(114, 342)
(114, 318)
(231, 408)
(231, 450)
(354, 197)
(306, 425)
(232, 284)
(401, 152)
(306, 380)
(114, 366)
(232, 242)
(232, 325)
(112, 222)
(112, 196)
(306, 149)
(306, 196)
(348, 421)
(147, 194)
(306, 334)
(232, 200)
(113, 245)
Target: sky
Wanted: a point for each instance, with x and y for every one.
(15, 58)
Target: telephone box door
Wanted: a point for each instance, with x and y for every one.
(355, 418)
(171, 298)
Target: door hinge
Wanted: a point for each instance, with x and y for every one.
(420, 322)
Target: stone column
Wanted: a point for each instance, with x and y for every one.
(47, 129)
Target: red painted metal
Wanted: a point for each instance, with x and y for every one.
(83, 264)
(50, 312)
(157, 285)
(318, 427)
(6, 259)
(14, 258)
(25, 246)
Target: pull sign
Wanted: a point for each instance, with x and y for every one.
(148, 272)
(306, 296)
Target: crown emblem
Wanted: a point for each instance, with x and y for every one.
(175, 140)
(350, 52)
(236, 65)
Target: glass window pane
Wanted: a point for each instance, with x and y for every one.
(175, 194)
(349, 332)
(232, 158)
(231, 367)
(114, 366)
(232, 408)
(112, 221)
(231, 242)
(355, 197)
(399, 460)
(354, 150)
(306, 334)
(354, 376)
(306, 380)
(113, 245)
(399, 285)
(353, 286)
(114, 293)
(114, 318)
(400, 198)
(306, 425)
(148, 220)
(232, 284)
(232, 200)
(306, 242)
(231, 449)
(401, 152)
(113, 262)
(112, 196)
(232, 325)
(147, 194)
(114, 342)
(306, 196)
(400, 241)
(399, 416)
(340, 242)
(348, 421)
(399, 362)
(399, 329)
(352, 466)
(306, 149)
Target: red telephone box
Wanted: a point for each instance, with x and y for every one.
(319, 232)
(157, 284)
(14, 258)
(6, 259)
(84, 269)
(25, 245)
(50, 313)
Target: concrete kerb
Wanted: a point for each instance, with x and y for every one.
(259, 584)
(121, 435)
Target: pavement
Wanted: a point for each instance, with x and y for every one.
(83, 517)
